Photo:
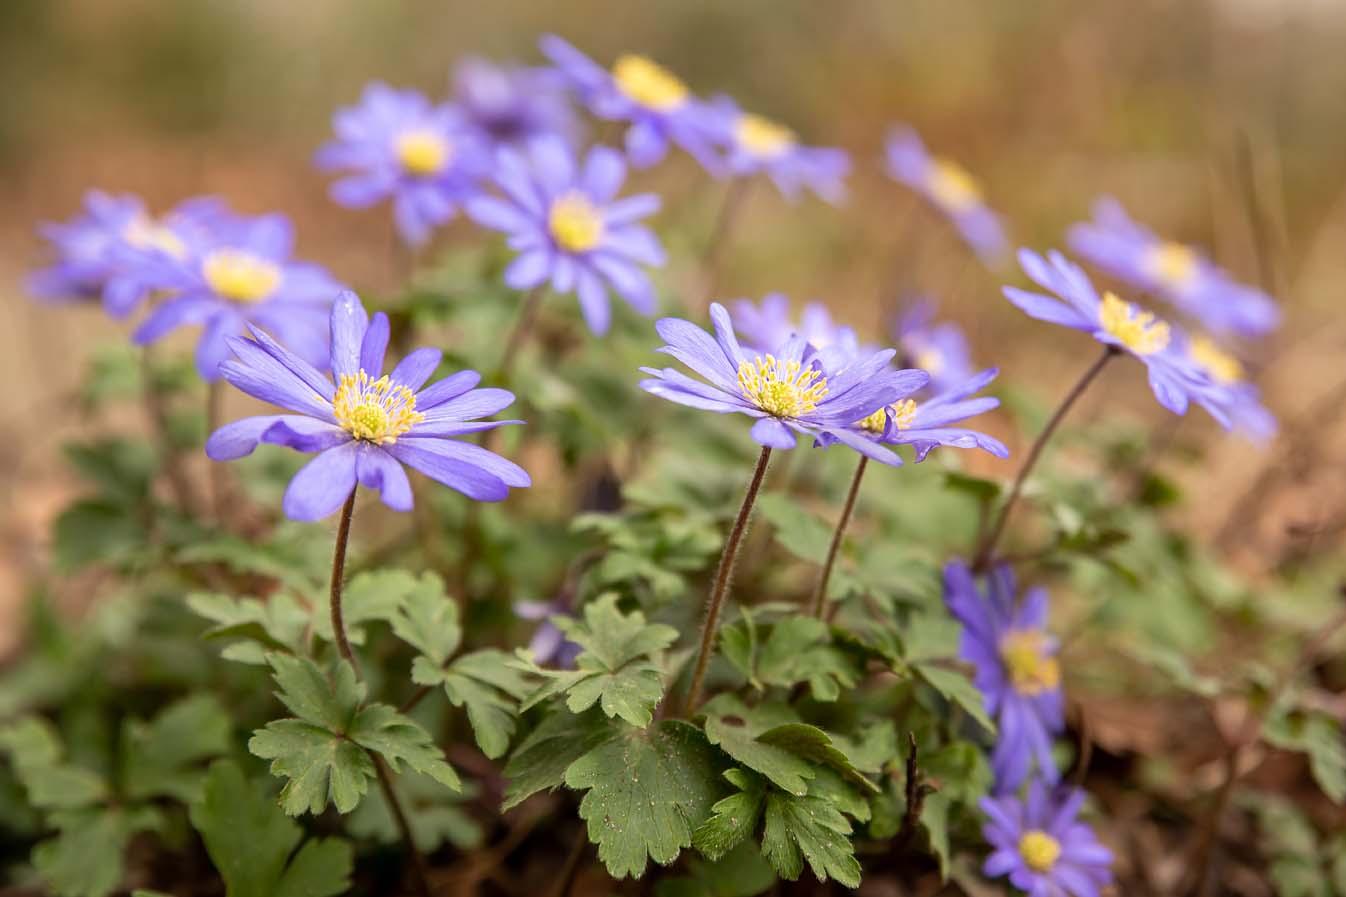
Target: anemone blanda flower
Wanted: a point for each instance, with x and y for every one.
(1175, 272)
(396, 144)
(769, 324)
(1016, 668)
(564, 219)
(1223, 389)
(1039, 842)
(940, 349)
(658, 106)
(236, 273)
(948, 187)
(112, 250)
(785, 391)
(364, 426)
(510, 105)
(753, 144)
(549, 644)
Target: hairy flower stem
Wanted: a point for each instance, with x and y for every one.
(725, 219)
(982, 557)
(338, 583)
(820, 591)
(710, 625)
(523, 325)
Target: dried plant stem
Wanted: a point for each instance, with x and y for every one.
(710, 624)
(982, 557)
(820, 591)
(720, 231)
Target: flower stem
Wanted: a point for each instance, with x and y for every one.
(820, 591)
(399, 815)
(219, 474)
(725, 219)
(338, 582)
(523, 325)
(710, 624)
(178, 480)
(983, 554)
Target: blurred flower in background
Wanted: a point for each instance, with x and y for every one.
(1040, 844)
(753, 144)
(1225, 386)
(509, 105)
(940, 349)
(769, 324)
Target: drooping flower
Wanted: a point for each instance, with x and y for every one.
(786, 391)
(114, 248)
(234, 274)
(1114, 322)
(1016, 668)
(1223, 389)
(754, 144)
(769, 324)
(397, 145)
(564, 219)
(940, 349)
(949, 188)
(511, 105)
(1039, 842)
(1180, 274)
(657, 104)
(366, 425)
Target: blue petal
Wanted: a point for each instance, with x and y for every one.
(322, 485)
(376, 469)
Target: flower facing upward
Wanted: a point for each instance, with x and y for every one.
(235, 273)
(1016, 668)
(769, 324)
(786, 390)
(510, 105)
(658, 106)
(752, 143)
(1177, 273)
(366, 425)
(1041, 845)
(939, 349)
(564, 219)
(396, 144)
(948, 188)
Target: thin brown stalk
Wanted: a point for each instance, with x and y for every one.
(178, 480)
(820, 590)
(725, 219)
(338, 583)
(523, 325)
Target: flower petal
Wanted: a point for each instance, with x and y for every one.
(376, 469)
(349, 323)
(772, 433)
(322, 485)
(416, 368)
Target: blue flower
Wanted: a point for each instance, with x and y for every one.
(396, 144)
(770, 324)
(549, 645)
(658, 106)
(1016, 668)
(1041, 845)
(234, 274)
(1223, 390)
(364, 426)
(570, 229)
(1173, 271)
(939, 349)
(754, 144)
(510, 105)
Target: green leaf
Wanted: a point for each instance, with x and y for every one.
(251, 626)
(121, 469)
(959, 689)
(402, 742)
(810, 829)
(312, 697)
(647, 790)
(420, 613)
(794, 650)
(97, 531)
(743, 872)
(733, 818)
(252, 843)
(796, 529)
(319, 766)
(38, 757)
(1321, 739)
(85, 858)
(490, 689)
(540, 761)
(158, 757)
(935, 821)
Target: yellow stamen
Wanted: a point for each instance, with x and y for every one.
(952, 186)
(648, 83)
(376, 411)
(902, 413)
(423, 153)
(1031, 669)
(1039, 850)
(575, 223)
(241, 276)
(781, 388)
(146, 233)
(1172, 263)
(1222, 367)
(761, 136)
(1137, 330)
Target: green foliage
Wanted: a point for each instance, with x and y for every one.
(1321, 739)
(791, 651)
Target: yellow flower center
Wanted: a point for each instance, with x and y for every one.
(1039, 850)
(903, 412)
(952, 186)
(930, 360)
(1031, 669)
(762, 136)
(1172, 263)
(648, 83)
(423, 153)
(1137, 330)
(376, 411)
(1222, 367)
(575, 224)
(146, 233)
(241, 276)
(781, 388)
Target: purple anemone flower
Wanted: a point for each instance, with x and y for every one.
(939, 349)
(658, 106)
(949, 188)
(1224, 390)
(1041, 845)
(112, 251)
(549, 645)
(1175, 272)
(364, 426)
(236, 273)
(786, 391)
(764, 326)
(508, 105)
(1075, 303)
(1016, 668)
(396, 144)
(570, 229)
(753, 144)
